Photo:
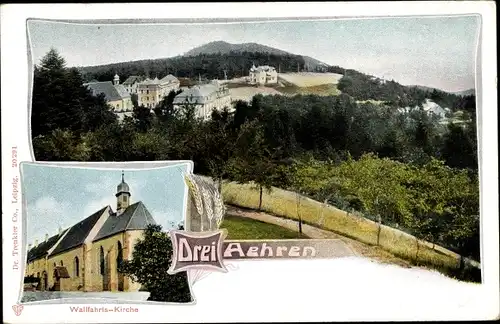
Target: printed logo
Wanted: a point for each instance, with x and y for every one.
(197, 250)
(18, 309)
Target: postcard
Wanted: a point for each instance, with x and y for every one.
(271, 161)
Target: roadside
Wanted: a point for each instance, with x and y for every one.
(360, 249)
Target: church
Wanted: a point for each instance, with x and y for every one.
(85, 256)
(115, 94)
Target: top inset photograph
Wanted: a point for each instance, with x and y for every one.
(363, 130)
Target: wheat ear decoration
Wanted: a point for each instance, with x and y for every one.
(219, 207)
(193, 187)
(208, 205)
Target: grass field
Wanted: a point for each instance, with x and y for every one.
(246, 93)
(319, 90)
(249, 229)
(310, 79)
(283, 203)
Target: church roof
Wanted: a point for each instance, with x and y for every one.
(42, 249)
(122, 92)
(135, 217)
(111, 92)
(78, 233)
(122, 187)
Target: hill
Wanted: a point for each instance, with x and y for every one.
(219, 59)
(468, 92)
(221, 47)
(424, 88)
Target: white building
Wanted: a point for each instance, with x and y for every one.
(206, 98)
(263, 75)
(433, 108)
(151, 92)
(131, 83)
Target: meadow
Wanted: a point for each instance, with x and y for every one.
(239, 228)
(310, 79)
(246, 93)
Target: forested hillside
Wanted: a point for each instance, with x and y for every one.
(236, 64)
(208, 66)
(364, 87)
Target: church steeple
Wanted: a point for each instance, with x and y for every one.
(116, 79)
(122, 196)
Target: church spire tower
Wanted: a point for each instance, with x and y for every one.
(122, 196)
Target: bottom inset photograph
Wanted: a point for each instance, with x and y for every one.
(102, 233)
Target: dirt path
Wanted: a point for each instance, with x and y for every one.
(358, 248)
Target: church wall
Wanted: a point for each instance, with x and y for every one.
(110, 248)
(74, 282)
(131, 238)
(109, 280)
(116, 104)
(36, 268)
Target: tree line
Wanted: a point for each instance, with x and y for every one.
(207, 66)
(268, 141)
(366, 87)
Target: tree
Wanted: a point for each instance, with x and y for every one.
(61, 145)
(61, 101)
(460, 146)
(253, 160)
(298, 183)
(219, 145)
(150, 261)
(135, 100)
(165, 110)
(143, 118)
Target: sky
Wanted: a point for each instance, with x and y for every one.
(432, 51)
(60, 197)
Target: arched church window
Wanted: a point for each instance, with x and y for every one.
(77, 267)
(62, 263)
(102, 261)
(119, 255)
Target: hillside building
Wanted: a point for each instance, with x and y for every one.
(263, 75)
(152, 91)
(115, 95)
(206, 97)
(85, 256)
(131, 83)
(433, 108)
